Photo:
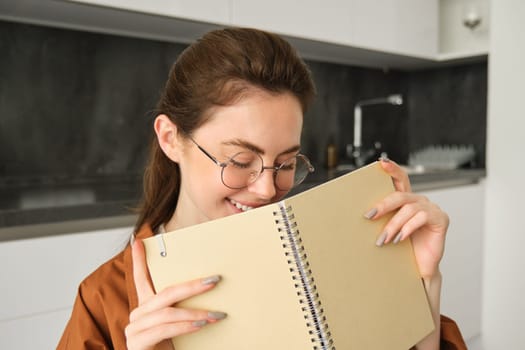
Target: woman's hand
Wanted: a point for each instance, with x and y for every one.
(426, 224)
(417, 218)
(157, 319)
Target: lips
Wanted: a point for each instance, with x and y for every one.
(240, 206)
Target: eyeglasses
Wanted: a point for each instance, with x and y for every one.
(246, 167)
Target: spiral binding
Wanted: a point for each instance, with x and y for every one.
(305, 284)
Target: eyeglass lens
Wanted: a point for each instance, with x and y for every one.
(245, 167)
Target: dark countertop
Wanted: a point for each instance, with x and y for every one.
(38, 211)
(420, 181)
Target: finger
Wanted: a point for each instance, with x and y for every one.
(394, 225)
(140, 272)
(399, 176)
(174, 294)
(171, 315)
(433, 216)
(408, 219)
(393, 202)
(159, 333)
(417, 221)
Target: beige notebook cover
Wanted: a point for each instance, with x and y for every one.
(303, 273)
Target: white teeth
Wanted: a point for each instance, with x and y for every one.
(240, 206)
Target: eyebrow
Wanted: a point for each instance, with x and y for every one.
(256, 149)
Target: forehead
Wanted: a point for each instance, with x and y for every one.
(262, 118)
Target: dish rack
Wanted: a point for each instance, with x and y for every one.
(442, 157)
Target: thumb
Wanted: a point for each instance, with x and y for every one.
(141, 276)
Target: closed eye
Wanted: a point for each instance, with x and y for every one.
(287, 166)
(240, 165)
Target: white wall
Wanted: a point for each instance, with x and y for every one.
(503, 318)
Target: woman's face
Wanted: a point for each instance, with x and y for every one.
(270, 124)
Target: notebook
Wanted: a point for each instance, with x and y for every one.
(302, 273)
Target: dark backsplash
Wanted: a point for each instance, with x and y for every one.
(449, 106)
(76, 106)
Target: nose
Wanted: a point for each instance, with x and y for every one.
(264, 186)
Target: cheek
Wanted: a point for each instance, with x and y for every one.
(204, 179)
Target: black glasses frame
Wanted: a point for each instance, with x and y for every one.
(223, 165)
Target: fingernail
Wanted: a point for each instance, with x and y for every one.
(384, 159)
(217, 315)
(211, 279)
(398, 238)
(381, 239)
(132, 239)
(199, 323)
(371, 213)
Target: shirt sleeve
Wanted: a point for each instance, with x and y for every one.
(82, 331)
(451, 338)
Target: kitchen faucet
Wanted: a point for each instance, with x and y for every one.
(355, 151)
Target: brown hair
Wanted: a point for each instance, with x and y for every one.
(216, 70)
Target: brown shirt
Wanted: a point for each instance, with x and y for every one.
(107, 296)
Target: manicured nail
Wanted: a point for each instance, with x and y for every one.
(199, 323)
(211, 279)
(384, 159)
(371, 213)
(381, 239)
(398, 237)
(217, 315)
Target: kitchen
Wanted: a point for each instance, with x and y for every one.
(377, 68)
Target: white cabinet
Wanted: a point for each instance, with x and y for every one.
(408, 27)
(417, 27)
(456, 40)
(462, 264)
(328, 21)
(214, 11)
(39, 279)
(399, 34)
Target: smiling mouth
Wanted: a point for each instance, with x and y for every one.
(239, 205)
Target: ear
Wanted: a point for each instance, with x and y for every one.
(168, 137)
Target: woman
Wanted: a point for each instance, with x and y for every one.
(236, 94)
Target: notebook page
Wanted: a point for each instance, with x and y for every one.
(372, 297)
(256, 291)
